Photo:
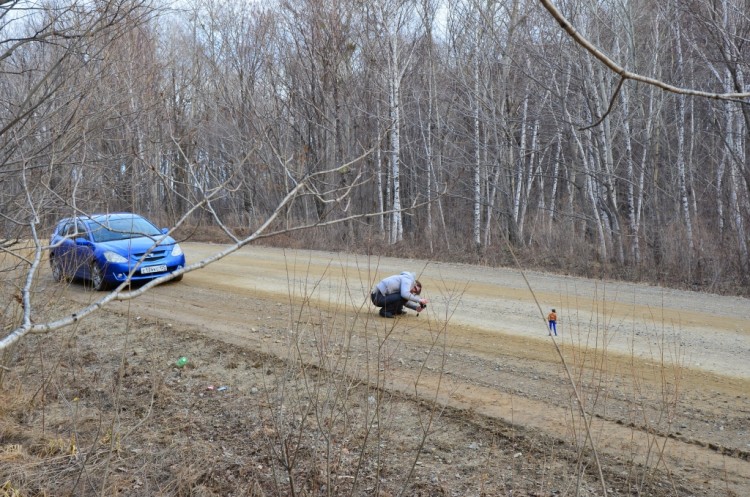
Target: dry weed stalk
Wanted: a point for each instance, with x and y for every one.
(332, 402)
(591, 379)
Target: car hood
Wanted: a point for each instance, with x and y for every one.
(136, 245)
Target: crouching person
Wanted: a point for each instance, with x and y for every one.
(395, 292)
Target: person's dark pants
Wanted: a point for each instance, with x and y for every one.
(392, 303)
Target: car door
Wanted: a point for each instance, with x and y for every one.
(82, 251)
(65, 252)
(71, 253)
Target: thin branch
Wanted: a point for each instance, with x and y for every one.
(609, 109)
(624, 73)
(586, 419)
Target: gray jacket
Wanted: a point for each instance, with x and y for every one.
(399, 283)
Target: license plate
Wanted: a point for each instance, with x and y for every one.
(153, 269)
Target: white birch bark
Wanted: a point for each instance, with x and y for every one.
(597, 191)
(520, 164)
(477, 182)
(529, 179)
(555, 177)
(681, 166)
(691, 153)
(630, 172)
(427, 130)
(394, 103)
(379, 173)
(592, 195)
(720, 172)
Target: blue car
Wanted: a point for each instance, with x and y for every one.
(107, 249)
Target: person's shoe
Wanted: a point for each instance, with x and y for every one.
(385, 314)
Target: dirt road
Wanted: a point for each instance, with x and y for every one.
(663, 373)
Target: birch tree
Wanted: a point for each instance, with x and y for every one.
(476, 34)
(394, 23)
(681, 162)
(430, 123)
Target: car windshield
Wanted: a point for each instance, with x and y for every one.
(122, 229)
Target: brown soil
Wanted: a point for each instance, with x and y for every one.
(294, 386)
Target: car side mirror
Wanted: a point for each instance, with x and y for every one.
(83, 242)
(164, 231)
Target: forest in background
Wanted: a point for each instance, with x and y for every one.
(475, 131)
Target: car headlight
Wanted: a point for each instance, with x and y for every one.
(114, 257)
(176, 250)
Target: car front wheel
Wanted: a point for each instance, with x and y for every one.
(97, 277)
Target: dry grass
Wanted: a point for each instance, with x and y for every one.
(112, 414)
